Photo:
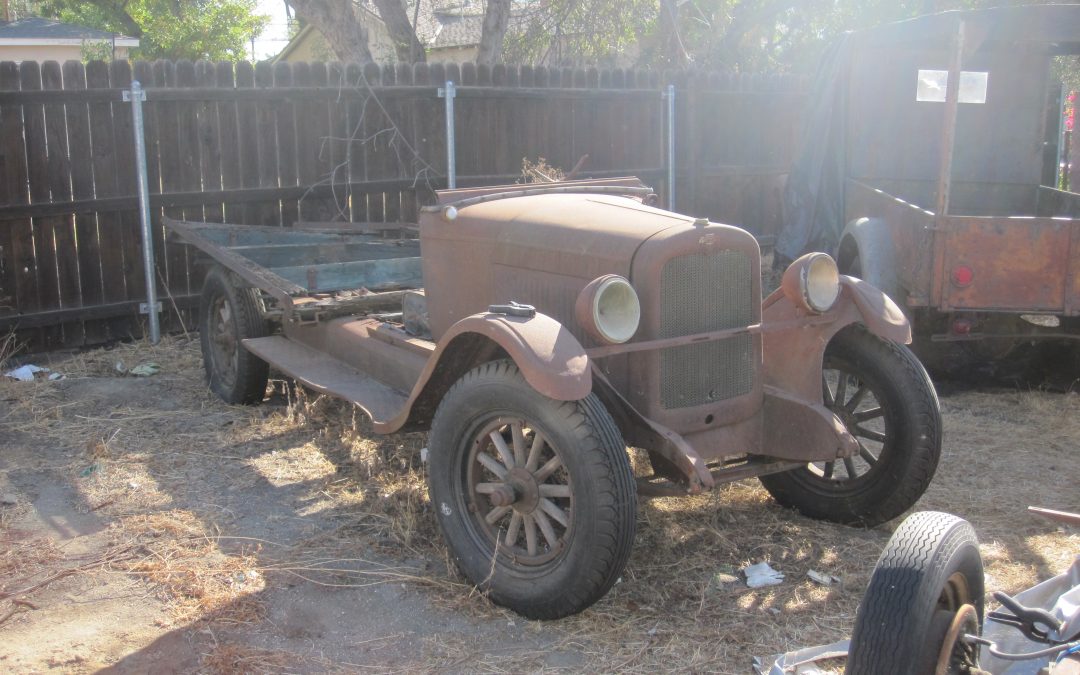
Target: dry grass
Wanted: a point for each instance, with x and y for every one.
(232, 658)
(540, 172)
(201, 582)
(671, 609)
(8, 348)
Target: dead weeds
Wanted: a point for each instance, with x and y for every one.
(183, 558)
(676, 606)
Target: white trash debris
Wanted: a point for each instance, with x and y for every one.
(822, 578)
(762, 575)
(145, 369)
(28, 373)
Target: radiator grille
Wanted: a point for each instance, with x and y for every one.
(702, 293)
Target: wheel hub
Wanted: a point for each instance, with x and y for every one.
(504, 495)
(527, 492)
(521, 496)
(956, 655)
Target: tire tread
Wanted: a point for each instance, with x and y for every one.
(599, 444)
(893, 616)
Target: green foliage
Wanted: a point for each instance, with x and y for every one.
(788, 35)
(98, 50)
(771, 35)
(170, 29)
(564, 32)
(734, 35)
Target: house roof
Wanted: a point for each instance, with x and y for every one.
(458, 31)
(440, 24)
(1045, 24)
(36, 31)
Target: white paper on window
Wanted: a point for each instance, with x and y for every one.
(932, 85)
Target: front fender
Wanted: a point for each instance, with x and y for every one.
(794, 341)
(550, 358)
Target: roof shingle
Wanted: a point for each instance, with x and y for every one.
(50, 29)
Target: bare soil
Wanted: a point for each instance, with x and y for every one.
(146, 526)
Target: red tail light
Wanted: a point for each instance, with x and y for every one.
(962, 275)
(961, 327)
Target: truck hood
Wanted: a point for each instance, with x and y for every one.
(577, 235)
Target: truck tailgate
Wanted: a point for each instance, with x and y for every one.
(1016, 264)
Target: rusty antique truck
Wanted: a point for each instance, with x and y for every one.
(558, 325)
(931, 170)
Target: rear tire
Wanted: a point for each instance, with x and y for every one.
(229, 314)
(545, 527)
(929, 571)
(893, 412)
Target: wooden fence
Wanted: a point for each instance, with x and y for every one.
(277, 144)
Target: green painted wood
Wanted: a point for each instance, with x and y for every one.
(374, 275)
(292, 255)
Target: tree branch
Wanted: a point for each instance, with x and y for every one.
(401, 30)
(339, 24)
(496, 21)
(745, 17)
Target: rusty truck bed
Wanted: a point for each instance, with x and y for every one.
(315, 270)
(1019, 263)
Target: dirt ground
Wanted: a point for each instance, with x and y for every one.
(146, 526)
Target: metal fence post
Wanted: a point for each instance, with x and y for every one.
(136, 96)
(1060, 179)
(448, 93)
(670, 96)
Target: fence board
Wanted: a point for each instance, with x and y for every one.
(356, 157)
(285, 122)
(18, 276)
(104, 163)
(397, 155)
(210, 146)
(267, 166)
(168, 126)
(61, 228)
(337, 142)
(374, 147)
(313, 149)
(271, 145)
(39, 245)
(229, 140)
(82, 187)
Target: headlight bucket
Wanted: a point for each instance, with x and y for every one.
(812, 282)
(608, 309)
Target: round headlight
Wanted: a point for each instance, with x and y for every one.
(813, 282)
(608, 309)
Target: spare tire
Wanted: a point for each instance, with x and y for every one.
(929, 574)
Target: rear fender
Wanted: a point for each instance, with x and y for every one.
(550, 358)
(871, 240)
(793, 341)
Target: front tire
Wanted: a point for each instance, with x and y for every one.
(928, 580)
(886, 400)
(535, 497)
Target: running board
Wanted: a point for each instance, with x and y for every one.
(327, 375)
